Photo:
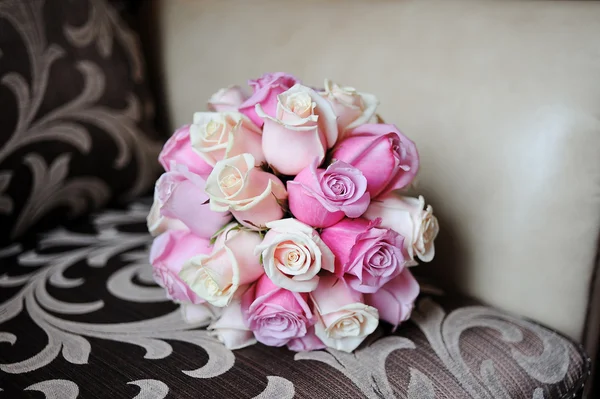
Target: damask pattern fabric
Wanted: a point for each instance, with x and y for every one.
(80, 317)
(76, 119)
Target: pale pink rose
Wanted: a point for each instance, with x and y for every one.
(387, 158)
(180, 194)
(310, 342)
(293, 254)
(220, 135)
(157, 223)
(266, 90)
(343, 319)
(302, 129)
(411, 219)
(274, 314)
(351, 107)
(230, 328)
(255, 197)
(178, 150)
(169, 252)
(366, 255)
(322, 197)
(395, 300)
(232, 264)
(227, 99)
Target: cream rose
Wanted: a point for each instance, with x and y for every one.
(351, 107)
(410, 218)
(220, 135)
(216, 277)
(200, 314)
(343, 320)
(293, 254)
(303, 128)
(253, 196)
(227, 99)
(230, 328)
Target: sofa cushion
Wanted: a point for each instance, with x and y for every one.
(80, 314)
(76, 121)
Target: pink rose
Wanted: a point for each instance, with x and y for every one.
(274, 314)
(368, 256)
(169, 252)
(395, 300)
(251, 194)
(310, 342)
(221, 135)
(410, 218)
(343, 320)
(266, 90)
(293, 254)
(322, 197)
(227, 99)
(230, 328)
(178, 150)
(302, 129)
(157, 223)
(180, 194)
(216, 277)
(388, 159)
(351, 107)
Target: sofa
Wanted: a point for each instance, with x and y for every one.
(501, 97)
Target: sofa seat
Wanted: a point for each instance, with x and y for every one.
(80, 316)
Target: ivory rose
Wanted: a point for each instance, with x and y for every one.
(230, 328)
(200, 314)
(366, 255)
(220, 135)
(227, 99)
(411, 219)
(180, 196)
(343, 320)
(322, 197)
(274, 314)
(168, 253)
(216, 277)
(292, 254)
(253, 196)
(395, 300)
(266, 90)
(302, 129)
(351, 107)
(178, 150)
(387, 158)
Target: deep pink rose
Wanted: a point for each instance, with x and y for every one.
(395, 299)
(365, 254)
(178, 150)
(387, 158)
(168, 253)
(322, 197)
(310, 342)
(181, 196)
(274, 314)
(266, 90)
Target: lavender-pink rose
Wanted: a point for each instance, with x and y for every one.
(266, 90)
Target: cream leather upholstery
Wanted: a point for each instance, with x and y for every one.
(502, 99)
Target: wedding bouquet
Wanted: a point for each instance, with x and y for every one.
(279, 217)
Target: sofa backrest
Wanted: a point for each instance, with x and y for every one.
(502, 99)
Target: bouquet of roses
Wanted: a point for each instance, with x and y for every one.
(279, 218)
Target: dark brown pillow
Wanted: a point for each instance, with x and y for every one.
(76, 117)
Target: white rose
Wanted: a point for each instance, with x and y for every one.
(216, 277)
(410, 218)
(230, 328)
(351, 107)
(227, 99)
(200, 314)
(251, 194)
(343, 320)
(221, 135)
(293, 254)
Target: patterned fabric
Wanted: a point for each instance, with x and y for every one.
(80, 316)
(75, 124)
